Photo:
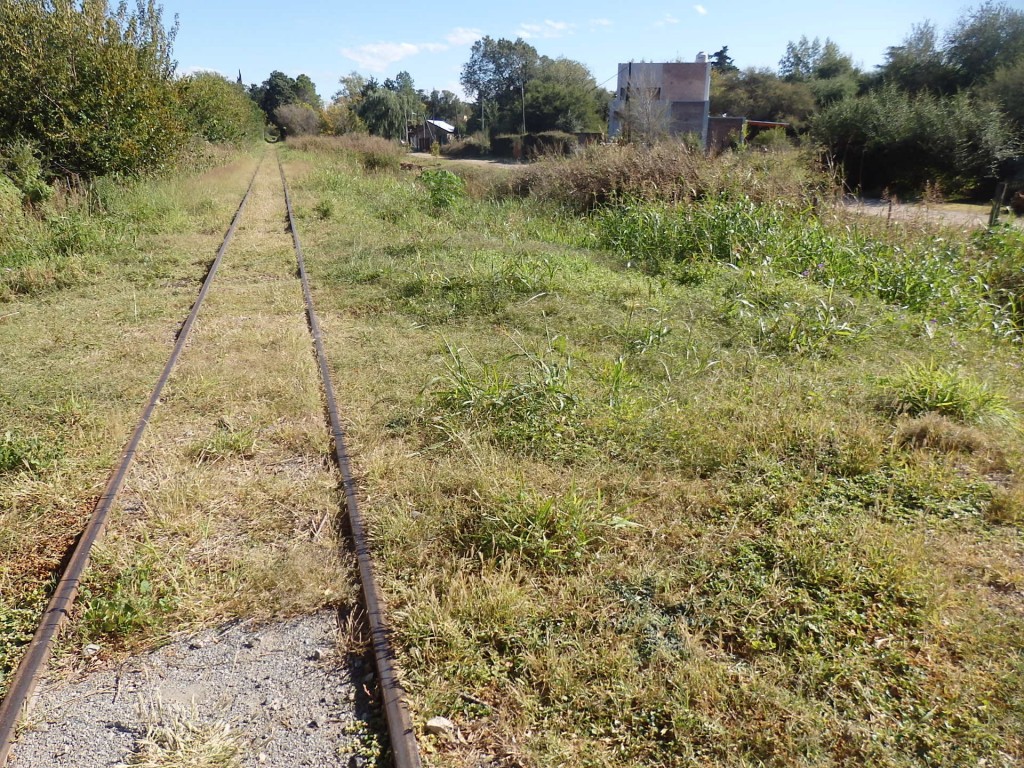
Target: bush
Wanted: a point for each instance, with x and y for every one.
(891, 139)
(20, 162)
(109, 104)
(445, 188)
(219, 110)
(297, 119)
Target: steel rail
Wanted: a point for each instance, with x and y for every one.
(404, 749)
(25, 679)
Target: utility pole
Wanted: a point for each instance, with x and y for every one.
(522, 95)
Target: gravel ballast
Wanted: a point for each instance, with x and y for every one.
(279, 692)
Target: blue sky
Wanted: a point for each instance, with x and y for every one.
(432, 40)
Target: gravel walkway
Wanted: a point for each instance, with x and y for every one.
(279, 694)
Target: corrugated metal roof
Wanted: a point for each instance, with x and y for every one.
(443, 125)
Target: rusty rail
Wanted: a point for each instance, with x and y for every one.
(26, 677)
(400, 731)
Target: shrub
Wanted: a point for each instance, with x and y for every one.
(115, 110)
(445, 188)
(888, 138)
(20, 162)
(219, 110)
(297, 119)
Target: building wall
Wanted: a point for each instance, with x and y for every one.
(684, 90)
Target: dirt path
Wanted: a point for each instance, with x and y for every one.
(922, 212)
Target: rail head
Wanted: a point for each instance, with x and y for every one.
(33, 661)
(404, 747)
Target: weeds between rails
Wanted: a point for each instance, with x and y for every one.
(405, 755)
(668, 500)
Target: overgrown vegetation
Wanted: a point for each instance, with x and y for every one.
(673, 462)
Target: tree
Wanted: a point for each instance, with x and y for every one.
(445, 105)
(409, 101)
(305, 91)
(383, 113)
(800, 60)
(92, 88)
(983, 40)
(721, 61)
(1006, 88)
(219, 110)
(499, 70)
(564, 96)
(760, 94)
(918, 64)
(279, 89)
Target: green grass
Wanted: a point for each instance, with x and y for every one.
(646, 485)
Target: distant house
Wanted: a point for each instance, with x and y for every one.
(662, 98)
(429, 132)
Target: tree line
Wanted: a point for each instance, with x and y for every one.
(92, 89)
(943, 109)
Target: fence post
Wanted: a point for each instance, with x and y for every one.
(997, 203)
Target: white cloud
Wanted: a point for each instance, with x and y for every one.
(701, 10)
(548, 29)
(377, 57)
(464, 35)
(599, 23)
(667, 20)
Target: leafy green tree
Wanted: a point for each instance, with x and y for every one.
(219, 110)
(383, 113)
(410, 103)
(499, 70)
(91, 87)
(760, 94)
(1006, 88)
(800, 60)
(305, 91)
(279, 89)
(983, 40)
(721, 61)
(445, 105)
(564, 96)
(919, 63)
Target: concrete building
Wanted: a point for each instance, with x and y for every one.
(662, 98)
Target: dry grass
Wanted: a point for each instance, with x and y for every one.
(176, 738)
(233, 500)
(665, 172)
(231, 506)
(624, 520)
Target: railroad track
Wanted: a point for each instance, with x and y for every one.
(402, 738)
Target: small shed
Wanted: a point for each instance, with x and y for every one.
(430, 131)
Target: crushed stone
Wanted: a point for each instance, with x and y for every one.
(289, 698)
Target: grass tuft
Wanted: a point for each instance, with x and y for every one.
(931, 388)
(177, 738)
